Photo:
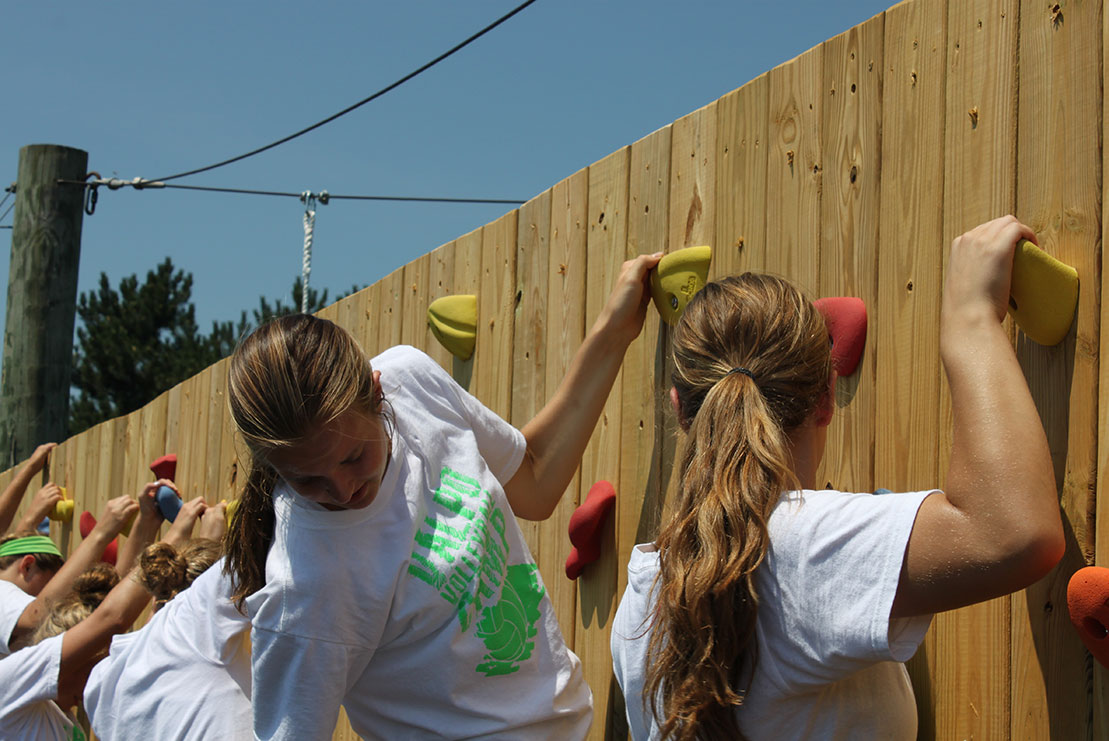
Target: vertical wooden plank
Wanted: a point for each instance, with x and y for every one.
(693, 179)
(793, 173)
(152, 440)
(496, 309)
(598, 586)
(529, 343)
(213, 430)
(850, 206)
(1058, 195)
(173, 420)
(567, 276)
(61, 473)
(467, 280)
(1101, 511)
(191, 461)
(642, 442)
(904, 324)
(329, 312)
(972, 698)
(414, 319)
(389, 309)
(742, 146)
(82, 485)
(368, 320)
(440, 282)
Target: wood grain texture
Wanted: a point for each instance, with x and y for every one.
(849, 256)
(904, 325)
(567, 276)
(794, 169)
(440, 282)
(496, 312)
(741, 160)
(529, 340)
(972, 698)
(414, 319)
(467, 277)
(1100, 720)
(1058, 182)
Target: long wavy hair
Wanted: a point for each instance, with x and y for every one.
(733, 470)
(287, 379)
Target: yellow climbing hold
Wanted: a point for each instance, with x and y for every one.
(63, 508)
(453, 321)
(677, 277)
(1043, 294)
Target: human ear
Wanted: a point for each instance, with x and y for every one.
(25, 565)
(677, 405)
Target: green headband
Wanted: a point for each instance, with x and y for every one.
(30, 544)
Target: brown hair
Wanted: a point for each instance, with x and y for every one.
(287, 379)
(44, 561)
(164, 571)
(733, 469)
(89, 590)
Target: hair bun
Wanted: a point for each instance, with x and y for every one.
(162, 571)
(91, 587)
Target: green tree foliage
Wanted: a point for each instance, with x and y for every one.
(139, 340)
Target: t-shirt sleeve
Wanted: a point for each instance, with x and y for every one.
(836, 561)
(299, 684)
(30, 675)
(500, 444)
(13, 601)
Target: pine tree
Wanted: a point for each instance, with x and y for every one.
(137, 341)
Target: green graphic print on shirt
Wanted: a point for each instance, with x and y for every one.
(461, 551)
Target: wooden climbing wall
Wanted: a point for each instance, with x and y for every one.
(848, 169)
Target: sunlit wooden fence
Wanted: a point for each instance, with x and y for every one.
(848, 169)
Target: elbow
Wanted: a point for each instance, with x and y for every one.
(1036, 551)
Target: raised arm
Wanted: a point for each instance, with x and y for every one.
(557, 436)
(13, 492)
(116, 513)
(996, 527)
(145, 529)
(40, 506)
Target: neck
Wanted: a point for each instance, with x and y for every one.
(807, 450)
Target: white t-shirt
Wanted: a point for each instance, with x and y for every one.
(828, 653)
(28, 687)
(423, 614)
(13, 601)
(183, 675)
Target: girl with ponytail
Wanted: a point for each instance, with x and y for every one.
(375, 547)
(767, 609)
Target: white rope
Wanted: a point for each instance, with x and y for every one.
(306, 264)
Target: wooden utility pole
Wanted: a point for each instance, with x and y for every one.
(42, 300)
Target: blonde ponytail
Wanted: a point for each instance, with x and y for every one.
(751, 364)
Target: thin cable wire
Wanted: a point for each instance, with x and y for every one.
(156, 185)
(9, 195)
(8, 211)
(359, 104)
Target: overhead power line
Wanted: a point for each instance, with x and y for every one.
(116, 183)
(348, 109)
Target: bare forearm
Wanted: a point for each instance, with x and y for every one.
(12, 496)
(143, 533)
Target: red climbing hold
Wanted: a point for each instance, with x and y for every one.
(586, 527)
(846, 320)
(165, 467)
(85, 525)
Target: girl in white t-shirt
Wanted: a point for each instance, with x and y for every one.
(186, 673)
(376, 548)
(762, 615)
(37, 682)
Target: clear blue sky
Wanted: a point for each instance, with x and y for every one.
(152, 89)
